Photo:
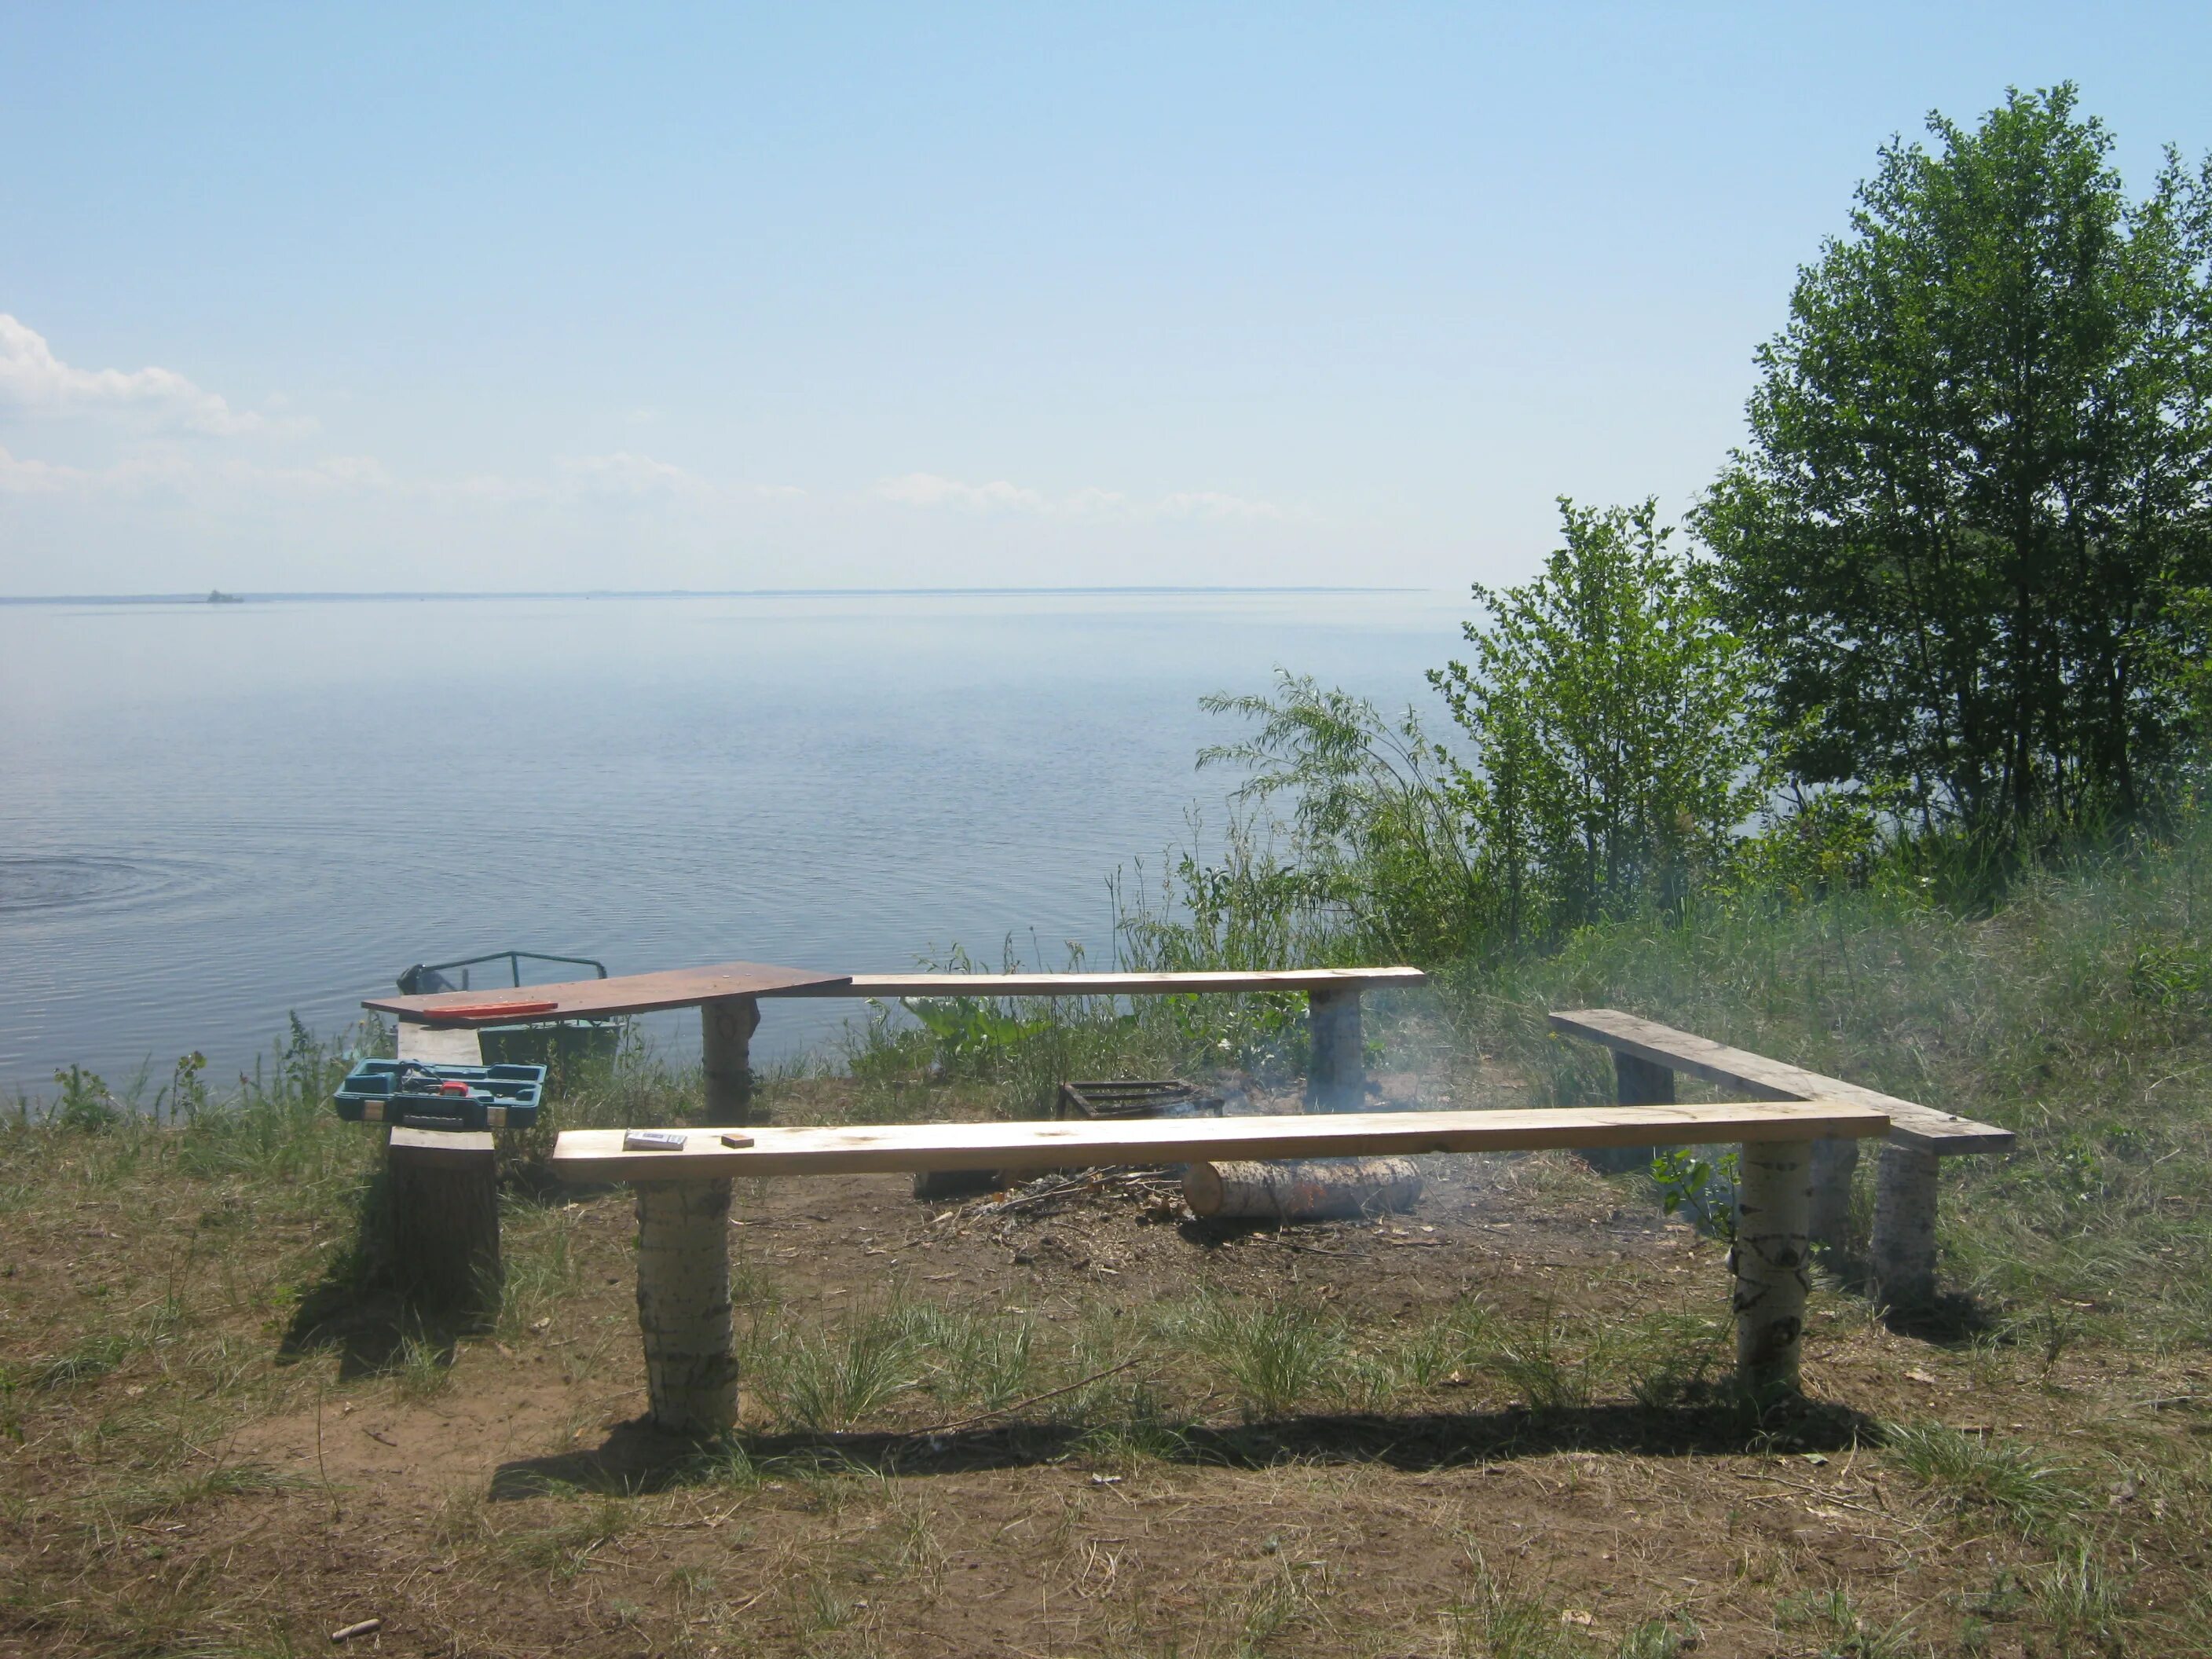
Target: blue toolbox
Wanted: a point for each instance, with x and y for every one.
(416, 1095)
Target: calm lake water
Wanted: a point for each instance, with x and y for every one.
(212, 816)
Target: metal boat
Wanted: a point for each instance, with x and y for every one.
(558, 1043)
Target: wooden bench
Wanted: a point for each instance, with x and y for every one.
(728, 1000)
(1647, 1055)
(684, 1200)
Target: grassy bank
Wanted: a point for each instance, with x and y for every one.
(223, 1436)
(2077, 1012)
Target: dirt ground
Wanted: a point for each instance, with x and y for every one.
(495, 1494)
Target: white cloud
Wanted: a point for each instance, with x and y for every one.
(34, 381)
(165, 468)
(1213, 504)
(927, 489)
(21, 476)
(932, 489)
(625, 473)
(331, 476)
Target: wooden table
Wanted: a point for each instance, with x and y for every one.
(727, 996)
(728, 999)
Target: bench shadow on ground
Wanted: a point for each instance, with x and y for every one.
(1952, 1320)
(373, 1331)
(637, 1458)
(358, 1310)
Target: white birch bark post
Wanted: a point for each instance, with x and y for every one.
(1904, 1226)
(1302, 1188)
(1336, 1070)
(1771, 1257)
(1835, 1164)
(726, 1035)
(683, 1305)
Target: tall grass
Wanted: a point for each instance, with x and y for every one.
(275, 1126)
(2076, 1011)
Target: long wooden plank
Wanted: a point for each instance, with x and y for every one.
(444, 1148)
(1910, 1123)
(1111, 985)
(866, 1149)
(681, 988)
(440, 1045)
(626, 993)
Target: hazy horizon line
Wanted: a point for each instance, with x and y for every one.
(245, 595)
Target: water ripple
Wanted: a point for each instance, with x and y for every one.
(66, 882)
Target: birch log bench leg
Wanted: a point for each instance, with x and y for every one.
(1903, 1247)
(726, 1037)
(1636, 1082)
(683, 1305)
(1336, 1064)
(683, 1302)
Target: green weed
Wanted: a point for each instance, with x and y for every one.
(980, 1360)
(94, 1358)
(1490, 1621)
(1278, 1354)
(830, 1382)
(1830, 1617)
(2076, 1597)
(563, 1549)
(423, 1371)
(1662, 1638)
(1549, 1378)
(1972, 1473)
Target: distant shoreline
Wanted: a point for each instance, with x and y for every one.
(687, 593)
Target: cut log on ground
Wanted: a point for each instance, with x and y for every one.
(1302, 1189)
(683, 1305)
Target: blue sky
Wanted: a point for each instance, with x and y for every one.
(319, 297)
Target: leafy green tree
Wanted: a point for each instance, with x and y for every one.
(1978, 491)
(1614, 729)
(1373, 851)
